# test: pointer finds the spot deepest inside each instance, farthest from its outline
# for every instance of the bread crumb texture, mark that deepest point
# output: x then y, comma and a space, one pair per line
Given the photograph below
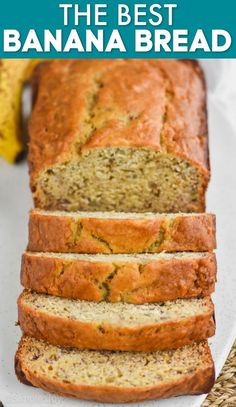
116, 314
121, 368
118, 326
115, 376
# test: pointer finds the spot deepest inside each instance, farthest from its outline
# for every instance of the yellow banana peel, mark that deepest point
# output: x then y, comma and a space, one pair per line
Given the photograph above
13, 74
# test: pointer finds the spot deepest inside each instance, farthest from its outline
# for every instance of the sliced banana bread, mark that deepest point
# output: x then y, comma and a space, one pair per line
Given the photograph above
119, 134
114, 232
115, 377
90, 325
136, 279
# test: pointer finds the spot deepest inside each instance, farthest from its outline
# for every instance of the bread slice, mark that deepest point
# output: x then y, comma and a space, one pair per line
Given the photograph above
119, 134
90, 325
136, 279
115, 232
115, 377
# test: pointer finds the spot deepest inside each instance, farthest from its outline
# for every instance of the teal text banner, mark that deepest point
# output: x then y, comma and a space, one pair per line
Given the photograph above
117, 29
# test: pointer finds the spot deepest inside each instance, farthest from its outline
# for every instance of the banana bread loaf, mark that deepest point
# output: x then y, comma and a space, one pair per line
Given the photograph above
125, 135
114, 232
136, 279
115, 377
91, 325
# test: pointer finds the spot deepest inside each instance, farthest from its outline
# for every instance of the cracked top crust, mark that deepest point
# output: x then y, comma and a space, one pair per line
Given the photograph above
84, 104
101, 232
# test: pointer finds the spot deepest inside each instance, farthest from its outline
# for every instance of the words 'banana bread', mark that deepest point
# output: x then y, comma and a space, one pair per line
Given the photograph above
119, 134
91, 325
115, 377
136, 279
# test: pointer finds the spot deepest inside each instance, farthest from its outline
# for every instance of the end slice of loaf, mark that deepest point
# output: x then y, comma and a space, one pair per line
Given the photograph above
136, 279
90, 325
114, 232
115, 377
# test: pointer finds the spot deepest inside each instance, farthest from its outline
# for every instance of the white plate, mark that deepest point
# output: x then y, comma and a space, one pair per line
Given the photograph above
15, 201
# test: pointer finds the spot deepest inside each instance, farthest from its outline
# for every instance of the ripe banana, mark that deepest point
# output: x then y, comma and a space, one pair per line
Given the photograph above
13, 74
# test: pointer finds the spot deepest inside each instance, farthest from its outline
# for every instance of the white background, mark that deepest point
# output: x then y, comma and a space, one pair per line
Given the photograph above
15, 201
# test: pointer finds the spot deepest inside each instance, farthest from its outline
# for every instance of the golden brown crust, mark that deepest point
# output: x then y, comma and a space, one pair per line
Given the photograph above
133, 282
18, 366
48, 233
184, 106
200, 381
61, 331
35, 79
156, 104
